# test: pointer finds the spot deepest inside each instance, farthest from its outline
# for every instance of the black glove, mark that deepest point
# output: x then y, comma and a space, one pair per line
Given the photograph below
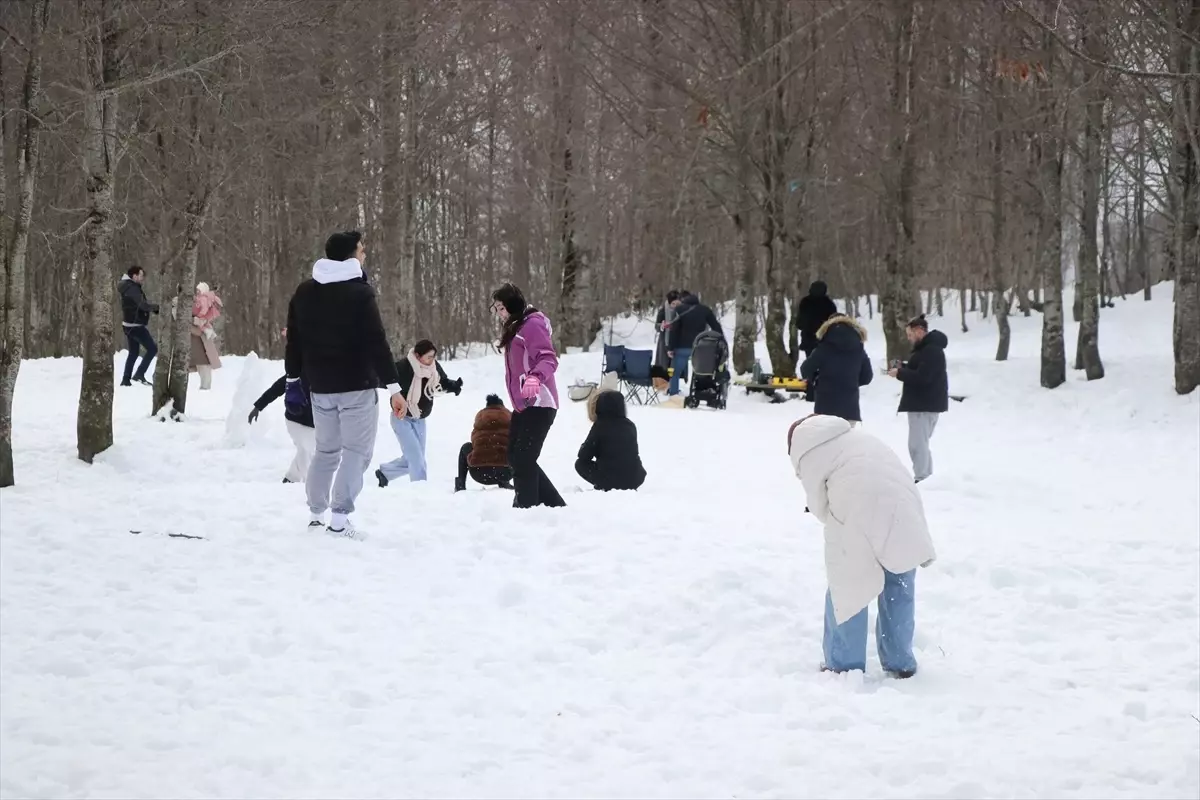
154, 308
458, 387
253, 416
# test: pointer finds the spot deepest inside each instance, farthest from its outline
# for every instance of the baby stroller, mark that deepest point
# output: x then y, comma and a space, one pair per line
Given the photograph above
710, 371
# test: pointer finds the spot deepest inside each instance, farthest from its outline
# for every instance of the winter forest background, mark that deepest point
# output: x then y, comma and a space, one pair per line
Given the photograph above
596, 153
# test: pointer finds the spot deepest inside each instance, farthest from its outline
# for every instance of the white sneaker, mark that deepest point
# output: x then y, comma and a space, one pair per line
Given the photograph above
347, 532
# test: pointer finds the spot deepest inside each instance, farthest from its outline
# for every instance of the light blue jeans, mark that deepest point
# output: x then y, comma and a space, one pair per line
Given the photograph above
679, 365
410, 433
846, 644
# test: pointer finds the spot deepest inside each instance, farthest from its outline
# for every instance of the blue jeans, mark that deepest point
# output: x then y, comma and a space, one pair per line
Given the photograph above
410, 433
135, 336
846, 644
679, 363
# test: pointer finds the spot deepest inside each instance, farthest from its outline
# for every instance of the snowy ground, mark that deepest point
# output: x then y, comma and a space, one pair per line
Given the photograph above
659, 644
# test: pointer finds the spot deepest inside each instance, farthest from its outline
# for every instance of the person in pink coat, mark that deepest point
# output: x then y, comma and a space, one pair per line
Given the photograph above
204, 357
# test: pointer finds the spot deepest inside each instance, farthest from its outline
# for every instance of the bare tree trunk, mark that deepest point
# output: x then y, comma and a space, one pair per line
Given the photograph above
1141, 253
16, 248
1185, 171
1048, 145
996, 173
180, 340
1090, 173
93, 426
897, 294
745, 329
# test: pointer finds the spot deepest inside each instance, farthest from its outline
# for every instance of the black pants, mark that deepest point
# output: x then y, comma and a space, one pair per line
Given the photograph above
135, 337
485, 476
590, 472
526, 435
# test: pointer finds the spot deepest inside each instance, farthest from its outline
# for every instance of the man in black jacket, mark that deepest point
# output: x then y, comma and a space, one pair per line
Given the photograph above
839, 365
336, 341
692, 318
926, 392
811, 313
135, 316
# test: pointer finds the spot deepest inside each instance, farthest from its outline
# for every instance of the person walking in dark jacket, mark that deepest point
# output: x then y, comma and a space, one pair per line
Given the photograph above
337, 342
662, 326
135, 316
692, 318
811, 313
839, 365
421, 379
485, 457
609, 458
926, 392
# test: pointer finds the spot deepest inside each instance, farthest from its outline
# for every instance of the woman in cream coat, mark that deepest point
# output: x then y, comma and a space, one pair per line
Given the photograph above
875, 538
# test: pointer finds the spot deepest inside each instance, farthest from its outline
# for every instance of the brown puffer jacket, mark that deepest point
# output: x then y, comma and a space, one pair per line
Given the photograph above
489, 438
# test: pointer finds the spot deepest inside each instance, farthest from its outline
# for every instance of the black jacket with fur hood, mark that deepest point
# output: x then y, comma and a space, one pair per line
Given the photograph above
838, 367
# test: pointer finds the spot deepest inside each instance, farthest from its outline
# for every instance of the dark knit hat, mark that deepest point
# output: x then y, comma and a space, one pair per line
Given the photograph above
494, 400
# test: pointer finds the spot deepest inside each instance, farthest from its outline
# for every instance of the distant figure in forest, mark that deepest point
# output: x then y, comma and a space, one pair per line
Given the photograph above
926, 392
692, 318
662, 323
203, 357
135, 316
811, 313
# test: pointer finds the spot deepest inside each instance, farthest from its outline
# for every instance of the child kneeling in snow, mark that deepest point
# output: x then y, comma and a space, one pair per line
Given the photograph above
875, 538
608, 458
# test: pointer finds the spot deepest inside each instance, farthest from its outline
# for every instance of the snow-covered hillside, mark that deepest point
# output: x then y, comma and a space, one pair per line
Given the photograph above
658, 644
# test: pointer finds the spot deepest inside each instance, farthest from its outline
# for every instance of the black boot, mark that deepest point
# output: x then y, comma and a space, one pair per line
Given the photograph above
126, 382
383, 481
460, 485
506, 485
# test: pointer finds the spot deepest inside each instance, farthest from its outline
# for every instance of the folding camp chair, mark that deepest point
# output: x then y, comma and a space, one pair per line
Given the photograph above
639, 385
614, 360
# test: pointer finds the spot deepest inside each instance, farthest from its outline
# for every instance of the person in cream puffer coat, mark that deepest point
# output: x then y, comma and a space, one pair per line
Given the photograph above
875, 538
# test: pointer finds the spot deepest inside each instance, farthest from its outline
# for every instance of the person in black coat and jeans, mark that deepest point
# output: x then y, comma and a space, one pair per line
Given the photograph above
608, 458
692, 318
135, 316
839, 365
926, 392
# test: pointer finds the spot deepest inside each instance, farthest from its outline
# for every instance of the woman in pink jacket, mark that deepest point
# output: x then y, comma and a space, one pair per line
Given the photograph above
529, 367
204, 358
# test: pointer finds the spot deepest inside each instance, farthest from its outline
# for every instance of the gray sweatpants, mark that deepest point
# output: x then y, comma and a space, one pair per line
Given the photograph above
345, 425
920, 431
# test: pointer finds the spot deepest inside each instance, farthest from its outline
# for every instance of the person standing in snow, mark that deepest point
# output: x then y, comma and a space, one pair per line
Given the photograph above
838, 366
135, 316
662, 321
609, 458
926, 392
692, 318
421, 379
530, 364
204, 358
297, 413
485, 457
336, 341
876, 536
811, 313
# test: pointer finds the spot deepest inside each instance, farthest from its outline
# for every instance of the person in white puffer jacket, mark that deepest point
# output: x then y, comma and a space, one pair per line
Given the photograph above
875, 538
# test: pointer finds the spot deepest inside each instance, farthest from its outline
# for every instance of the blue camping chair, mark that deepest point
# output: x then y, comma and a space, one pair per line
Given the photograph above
639, 383
614, 360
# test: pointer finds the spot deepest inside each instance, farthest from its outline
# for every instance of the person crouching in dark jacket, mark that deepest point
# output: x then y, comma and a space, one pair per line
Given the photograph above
297, 411
608, 458
485, 457
839, 365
